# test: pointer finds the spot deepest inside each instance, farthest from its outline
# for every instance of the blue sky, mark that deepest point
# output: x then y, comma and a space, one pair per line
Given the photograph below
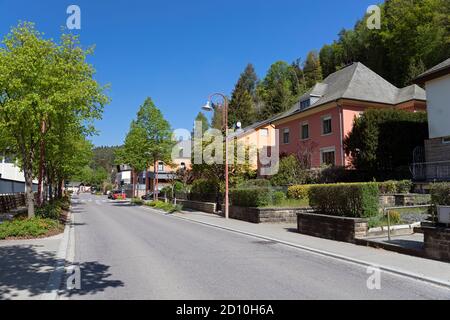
178, 52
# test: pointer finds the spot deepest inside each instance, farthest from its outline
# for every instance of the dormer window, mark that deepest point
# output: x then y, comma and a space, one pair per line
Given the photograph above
305, 104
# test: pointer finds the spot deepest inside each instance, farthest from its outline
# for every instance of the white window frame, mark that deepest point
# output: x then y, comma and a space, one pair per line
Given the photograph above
160, 165
324, 118
264, 132
325, 150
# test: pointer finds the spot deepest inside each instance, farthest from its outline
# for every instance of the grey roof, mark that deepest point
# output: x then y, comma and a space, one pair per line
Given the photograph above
357, 82
441, 66
411, 92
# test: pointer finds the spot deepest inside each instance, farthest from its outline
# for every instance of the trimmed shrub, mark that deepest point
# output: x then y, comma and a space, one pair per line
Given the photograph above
137, 201
278, 197
404, 186
345, 199
387, 187
255, 183
203, 190
49, 211
440, 194
251, 197
298, 192
392, 186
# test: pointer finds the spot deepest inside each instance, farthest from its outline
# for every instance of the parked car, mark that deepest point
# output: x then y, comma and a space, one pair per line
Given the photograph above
117, 194
149, 196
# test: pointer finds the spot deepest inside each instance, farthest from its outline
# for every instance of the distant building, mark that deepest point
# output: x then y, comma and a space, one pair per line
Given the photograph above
437, 148
12, 179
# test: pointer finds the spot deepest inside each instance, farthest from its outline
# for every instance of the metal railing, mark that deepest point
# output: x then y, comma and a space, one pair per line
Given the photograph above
387, 210
431, 171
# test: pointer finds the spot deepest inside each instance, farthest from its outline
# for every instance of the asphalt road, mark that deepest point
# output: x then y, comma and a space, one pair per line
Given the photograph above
129, 252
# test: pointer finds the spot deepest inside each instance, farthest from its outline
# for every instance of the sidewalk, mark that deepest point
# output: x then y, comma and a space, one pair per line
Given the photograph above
26, 266
416, 267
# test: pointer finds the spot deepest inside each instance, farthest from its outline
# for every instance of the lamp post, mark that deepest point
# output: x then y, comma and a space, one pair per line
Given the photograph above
210, 107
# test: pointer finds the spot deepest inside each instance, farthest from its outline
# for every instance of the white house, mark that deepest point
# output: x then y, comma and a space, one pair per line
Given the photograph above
437, 147
12, 179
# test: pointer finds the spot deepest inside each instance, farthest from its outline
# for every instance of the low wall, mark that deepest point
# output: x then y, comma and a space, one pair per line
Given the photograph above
437, 242
208, 207
266, 215
411, 199
331, 227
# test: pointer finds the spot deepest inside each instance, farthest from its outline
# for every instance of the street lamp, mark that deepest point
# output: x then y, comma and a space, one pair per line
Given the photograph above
210, 107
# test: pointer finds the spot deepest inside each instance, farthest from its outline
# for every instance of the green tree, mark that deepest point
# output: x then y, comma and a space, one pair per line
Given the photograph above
384, 140
312, 69
41, 83
279, 90
242, 103
158, 135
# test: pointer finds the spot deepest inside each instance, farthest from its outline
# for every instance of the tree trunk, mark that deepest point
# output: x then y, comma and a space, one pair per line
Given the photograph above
155, 183
132, 182
29, 191
147, 181
41, 166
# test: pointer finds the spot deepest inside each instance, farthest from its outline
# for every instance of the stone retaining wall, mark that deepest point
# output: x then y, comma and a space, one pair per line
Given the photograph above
437, 242
266, 215
411, 199
207, 207
331, 227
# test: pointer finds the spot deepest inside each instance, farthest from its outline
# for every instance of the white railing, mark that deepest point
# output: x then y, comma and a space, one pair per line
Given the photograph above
431, 171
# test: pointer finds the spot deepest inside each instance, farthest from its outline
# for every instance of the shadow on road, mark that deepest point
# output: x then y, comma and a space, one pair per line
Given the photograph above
25, 268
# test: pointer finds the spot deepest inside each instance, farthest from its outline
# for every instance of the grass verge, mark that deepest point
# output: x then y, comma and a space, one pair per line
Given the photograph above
30, 228
168, 207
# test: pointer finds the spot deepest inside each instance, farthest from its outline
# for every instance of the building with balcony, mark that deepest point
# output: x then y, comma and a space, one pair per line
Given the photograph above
436, 164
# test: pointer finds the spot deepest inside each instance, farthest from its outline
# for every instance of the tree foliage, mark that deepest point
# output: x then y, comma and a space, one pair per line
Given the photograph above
384, 139
48, 100
414, 36
242, 103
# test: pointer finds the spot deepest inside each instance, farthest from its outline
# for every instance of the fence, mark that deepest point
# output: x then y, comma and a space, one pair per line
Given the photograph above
11, 201
431, 171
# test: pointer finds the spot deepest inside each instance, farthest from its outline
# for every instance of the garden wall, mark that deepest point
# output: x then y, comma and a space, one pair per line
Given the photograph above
332, 227
437, 242
411, 199
208, 207
266, 215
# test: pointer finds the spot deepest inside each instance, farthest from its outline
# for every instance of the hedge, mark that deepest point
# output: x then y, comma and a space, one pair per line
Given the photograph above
440, 194
392, 186
251, 197
203, 190
359, 200
298, 192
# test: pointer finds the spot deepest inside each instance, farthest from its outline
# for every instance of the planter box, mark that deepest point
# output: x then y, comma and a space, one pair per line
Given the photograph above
331, 227
443, 214
437, 242
207, 207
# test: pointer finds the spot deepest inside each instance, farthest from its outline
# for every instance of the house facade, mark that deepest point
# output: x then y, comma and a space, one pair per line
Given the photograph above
315, 128
256, 138
437, 148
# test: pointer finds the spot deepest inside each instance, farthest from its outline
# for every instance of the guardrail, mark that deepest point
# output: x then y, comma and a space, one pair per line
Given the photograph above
387, 210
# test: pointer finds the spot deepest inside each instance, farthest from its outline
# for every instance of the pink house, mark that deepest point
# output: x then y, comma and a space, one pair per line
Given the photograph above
316, 126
